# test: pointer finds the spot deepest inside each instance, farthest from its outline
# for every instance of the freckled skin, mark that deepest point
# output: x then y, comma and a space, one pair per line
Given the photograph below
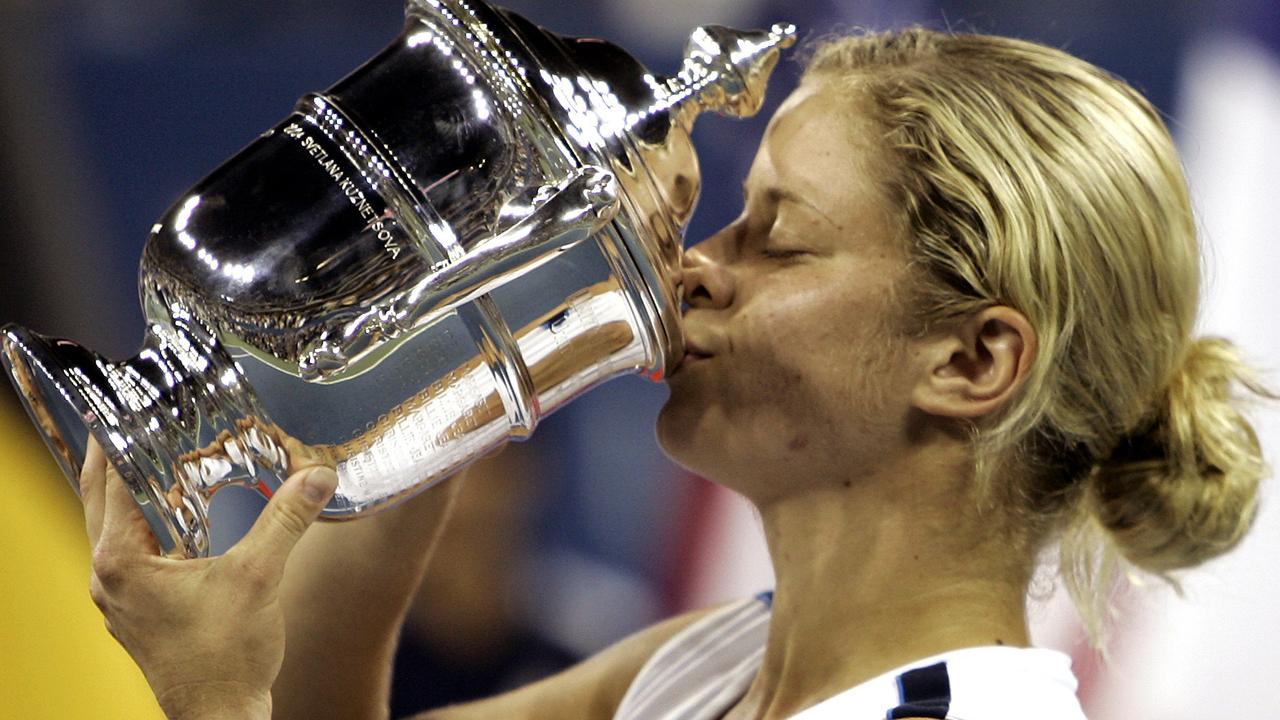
803, 357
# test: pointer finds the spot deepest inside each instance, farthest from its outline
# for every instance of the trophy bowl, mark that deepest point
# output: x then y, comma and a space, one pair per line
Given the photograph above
476, 226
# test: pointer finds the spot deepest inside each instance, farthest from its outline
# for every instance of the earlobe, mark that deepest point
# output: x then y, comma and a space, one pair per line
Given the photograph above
977, 366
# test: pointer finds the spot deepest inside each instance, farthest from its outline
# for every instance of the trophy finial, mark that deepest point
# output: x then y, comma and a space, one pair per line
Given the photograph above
726, 70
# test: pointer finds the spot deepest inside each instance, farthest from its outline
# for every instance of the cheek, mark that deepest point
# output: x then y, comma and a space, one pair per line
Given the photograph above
812, 368
806, 334
741, 402
776, 344
811, 357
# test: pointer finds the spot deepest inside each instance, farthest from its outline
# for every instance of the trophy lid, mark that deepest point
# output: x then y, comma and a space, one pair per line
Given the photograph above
726, 70
602, 97
614, 112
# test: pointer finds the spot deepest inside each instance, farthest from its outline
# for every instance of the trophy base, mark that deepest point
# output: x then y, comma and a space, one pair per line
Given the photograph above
131, 409
61, 416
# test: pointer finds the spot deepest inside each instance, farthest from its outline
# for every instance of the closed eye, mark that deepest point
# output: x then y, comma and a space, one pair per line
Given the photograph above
783, 253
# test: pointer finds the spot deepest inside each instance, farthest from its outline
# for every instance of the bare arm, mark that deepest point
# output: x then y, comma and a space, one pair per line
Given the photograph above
344, 598
345, 592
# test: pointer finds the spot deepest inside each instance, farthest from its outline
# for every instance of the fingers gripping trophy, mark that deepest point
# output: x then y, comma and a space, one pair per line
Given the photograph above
473, 228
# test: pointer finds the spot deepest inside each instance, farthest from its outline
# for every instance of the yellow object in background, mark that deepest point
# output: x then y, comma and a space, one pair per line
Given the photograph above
56, 658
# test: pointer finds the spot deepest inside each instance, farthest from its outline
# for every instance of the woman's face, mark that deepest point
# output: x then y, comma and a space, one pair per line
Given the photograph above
796, 365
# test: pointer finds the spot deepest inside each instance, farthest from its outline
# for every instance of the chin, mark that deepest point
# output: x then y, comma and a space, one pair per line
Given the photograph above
680, 434
692, 436
672, 434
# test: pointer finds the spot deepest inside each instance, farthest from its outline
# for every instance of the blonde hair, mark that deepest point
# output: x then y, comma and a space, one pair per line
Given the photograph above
1032, 179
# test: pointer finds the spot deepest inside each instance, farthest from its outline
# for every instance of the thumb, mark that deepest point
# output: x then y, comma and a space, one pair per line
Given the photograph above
292, 510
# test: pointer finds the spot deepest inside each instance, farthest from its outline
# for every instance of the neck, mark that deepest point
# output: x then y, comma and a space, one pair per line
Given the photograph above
866, 583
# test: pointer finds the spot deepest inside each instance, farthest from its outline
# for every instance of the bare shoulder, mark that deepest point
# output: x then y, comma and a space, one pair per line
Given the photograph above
590, 690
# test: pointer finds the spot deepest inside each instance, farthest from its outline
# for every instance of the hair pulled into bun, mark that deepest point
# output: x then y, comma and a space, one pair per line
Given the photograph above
1183, 488
1030, 179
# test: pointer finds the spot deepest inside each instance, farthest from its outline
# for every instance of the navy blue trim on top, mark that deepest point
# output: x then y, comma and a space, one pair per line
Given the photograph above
924, 693
766, 598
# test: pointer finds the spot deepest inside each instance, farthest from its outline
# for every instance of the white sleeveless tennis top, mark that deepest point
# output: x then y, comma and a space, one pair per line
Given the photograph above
701, 672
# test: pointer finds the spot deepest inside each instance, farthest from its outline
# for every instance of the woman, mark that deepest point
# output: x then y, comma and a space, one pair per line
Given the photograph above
951, 326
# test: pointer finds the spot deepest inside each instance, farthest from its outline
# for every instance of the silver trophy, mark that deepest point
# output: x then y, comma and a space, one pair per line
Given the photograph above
476, 226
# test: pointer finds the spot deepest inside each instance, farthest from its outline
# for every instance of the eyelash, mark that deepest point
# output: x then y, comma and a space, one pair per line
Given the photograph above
782, 254
777, 255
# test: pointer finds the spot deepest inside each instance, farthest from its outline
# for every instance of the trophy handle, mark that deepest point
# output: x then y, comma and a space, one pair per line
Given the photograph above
563, 215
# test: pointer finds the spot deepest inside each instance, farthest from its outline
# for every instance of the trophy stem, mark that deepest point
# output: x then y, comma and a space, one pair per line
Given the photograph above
177, 421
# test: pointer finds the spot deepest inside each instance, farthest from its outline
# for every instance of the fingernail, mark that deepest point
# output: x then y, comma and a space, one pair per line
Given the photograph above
319, 483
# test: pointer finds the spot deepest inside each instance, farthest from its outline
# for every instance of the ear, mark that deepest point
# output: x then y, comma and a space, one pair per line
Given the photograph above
976, 366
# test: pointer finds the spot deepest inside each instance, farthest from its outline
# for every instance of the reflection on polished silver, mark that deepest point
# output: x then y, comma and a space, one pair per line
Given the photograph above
566, 217
476, 226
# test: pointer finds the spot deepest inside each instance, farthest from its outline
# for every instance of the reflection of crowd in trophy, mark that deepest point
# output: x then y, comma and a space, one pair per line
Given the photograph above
462, 414
462, 411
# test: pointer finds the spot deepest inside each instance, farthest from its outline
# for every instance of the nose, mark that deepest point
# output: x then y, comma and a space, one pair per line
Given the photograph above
707, 282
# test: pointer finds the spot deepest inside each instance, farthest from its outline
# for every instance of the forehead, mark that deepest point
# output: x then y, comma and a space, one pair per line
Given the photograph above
821, 146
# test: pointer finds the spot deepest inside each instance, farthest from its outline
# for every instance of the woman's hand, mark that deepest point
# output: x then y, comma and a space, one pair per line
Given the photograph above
207, 633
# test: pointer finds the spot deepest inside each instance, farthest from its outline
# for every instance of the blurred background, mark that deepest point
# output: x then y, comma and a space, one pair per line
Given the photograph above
109, 110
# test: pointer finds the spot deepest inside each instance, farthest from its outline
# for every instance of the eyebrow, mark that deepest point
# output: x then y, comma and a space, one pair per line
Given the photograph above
777, 194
